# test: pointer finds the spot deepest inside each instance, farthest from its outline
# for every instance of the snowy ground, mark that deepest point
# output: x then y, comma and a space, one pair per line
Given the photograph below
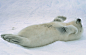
17, 14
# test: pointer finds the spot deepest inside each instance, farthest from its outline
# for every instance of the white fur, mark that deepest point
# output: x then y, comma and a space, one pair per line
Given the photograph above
43, 34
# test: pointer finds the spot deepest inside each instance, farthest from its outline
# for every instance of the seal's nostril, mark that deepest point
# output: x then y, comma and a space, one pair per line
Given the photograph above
79, 20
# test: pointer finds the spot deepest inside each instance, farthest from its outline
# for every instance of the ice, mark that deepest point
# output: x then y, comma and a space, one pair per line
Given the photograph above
17, 14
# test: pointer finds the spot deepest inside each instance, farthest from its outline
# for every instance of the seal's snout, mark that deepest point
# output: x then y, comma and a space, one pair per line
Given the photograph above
78, 20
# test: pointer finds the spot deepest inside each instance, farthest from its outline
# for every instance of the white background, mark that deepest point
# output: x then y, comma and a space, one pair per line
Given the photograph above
17, 14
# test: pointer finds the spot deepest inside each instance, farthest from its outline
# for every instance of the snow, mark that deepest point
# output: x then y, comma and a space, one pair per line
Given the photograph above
17, 14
